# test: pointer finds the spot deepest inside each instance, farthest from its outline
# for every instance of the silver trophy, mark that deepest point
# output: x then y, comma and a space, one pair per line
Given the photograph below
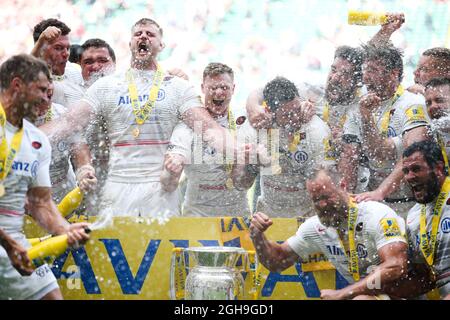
208, 273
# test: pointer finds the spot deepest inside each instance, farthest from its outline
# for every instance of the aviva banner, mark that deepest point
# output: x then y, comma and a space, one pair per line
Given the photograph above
131, 259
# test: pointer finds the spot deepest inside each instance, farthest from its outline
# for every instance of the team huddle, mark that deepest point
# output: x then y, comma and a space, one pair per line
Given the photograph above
362, 159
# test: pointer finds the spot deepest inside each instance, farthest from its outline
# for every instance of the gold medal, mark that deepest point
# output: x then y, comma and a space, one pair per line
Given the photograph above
229, 183
2, 190
135, 132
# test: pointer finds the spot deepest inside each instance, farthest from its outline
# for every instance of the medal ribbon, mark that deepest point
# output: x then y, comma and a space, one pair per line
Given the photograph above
387, 114
142, 113
7, 155
428, 248
443, 150
353, 264
229, 166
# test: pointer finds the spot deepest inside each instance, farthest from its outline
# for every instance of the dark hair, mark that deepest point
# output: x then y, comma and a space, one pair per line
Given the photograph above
144, 21
44, 24
98, 43
438, 52
390, 56
436, 82
353, 56
430, 150
216, 68
23, 66
279, 91
75, 53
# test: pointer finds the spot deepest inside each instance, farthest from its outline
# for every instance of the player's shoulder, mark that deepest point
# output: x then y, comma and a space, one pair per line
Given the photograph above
409, 99
38, 138
374, 210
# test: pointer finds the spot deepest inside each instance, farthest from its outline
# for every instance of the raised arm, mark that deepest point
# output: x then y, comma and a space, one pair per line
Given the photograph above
393, 23
275, 257
72, 122
258, 116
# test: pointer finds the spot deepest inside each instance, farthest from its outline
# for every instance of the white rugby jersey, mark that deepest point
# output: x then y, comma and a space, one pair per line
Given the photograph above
30, 169
139, 159
61, 171
408, 112
206, 193
285, 195
376, 226
67, 91
442, 253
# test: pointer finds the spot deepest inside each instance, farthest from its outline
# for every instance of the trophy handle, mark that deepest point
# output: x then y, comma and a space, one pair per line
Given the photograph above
254, 269
177, 274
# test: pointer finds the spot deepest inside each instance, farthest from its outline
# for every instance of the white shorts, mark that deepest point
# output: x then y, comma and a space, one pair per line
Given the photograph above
14, 286
146, 200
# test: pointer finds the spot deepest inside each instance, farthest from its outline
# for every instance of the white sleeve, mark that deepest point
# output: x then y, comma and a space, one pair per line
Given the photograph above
181, 140
42, 169
415, 116
95, 95
386, 227
301, 244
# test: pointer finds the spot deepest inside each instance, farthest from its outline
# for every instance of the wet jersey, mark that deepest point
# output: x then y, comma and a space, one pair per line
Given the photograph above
30, 169
61, 171
284, 194
207, 193
407, 112
376, 226
441, 263
67, 91
139, 158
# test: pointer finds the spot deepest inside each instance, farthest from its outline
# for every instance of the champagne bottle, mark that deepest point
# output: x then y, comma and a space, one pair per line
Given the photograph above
35, 241
366, 18
44, 251
71, 201
49, 249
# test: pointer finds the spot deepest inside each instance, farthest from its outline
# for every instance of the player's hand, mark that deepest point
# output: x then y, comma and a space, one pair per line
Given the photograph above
86, 178
368, 103
375, 195
19, 257
174, 163
259, 224
307, 111
328, 294
77, 234
259, 118
393, 23
178, 73
416, 89
50, 34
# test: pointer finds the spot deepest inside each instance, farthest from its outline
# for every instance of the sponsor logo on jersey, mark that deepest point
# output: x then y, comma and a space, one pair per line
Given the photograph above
61, 146
34, 168
142, 98
445, 225
240, 120
391, 132
301, 156
415, 113
390, 228
362, 251
36, 144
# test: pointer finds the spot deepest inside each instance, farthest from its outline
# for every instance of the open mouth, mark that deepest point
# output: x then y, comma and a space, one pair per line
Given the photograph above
143, 48
218, 102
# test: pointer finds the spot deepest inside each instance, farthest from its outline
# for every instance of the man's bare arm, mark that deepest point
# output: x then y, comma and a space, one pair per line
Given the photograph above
394, 265
45, 212
275, 257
